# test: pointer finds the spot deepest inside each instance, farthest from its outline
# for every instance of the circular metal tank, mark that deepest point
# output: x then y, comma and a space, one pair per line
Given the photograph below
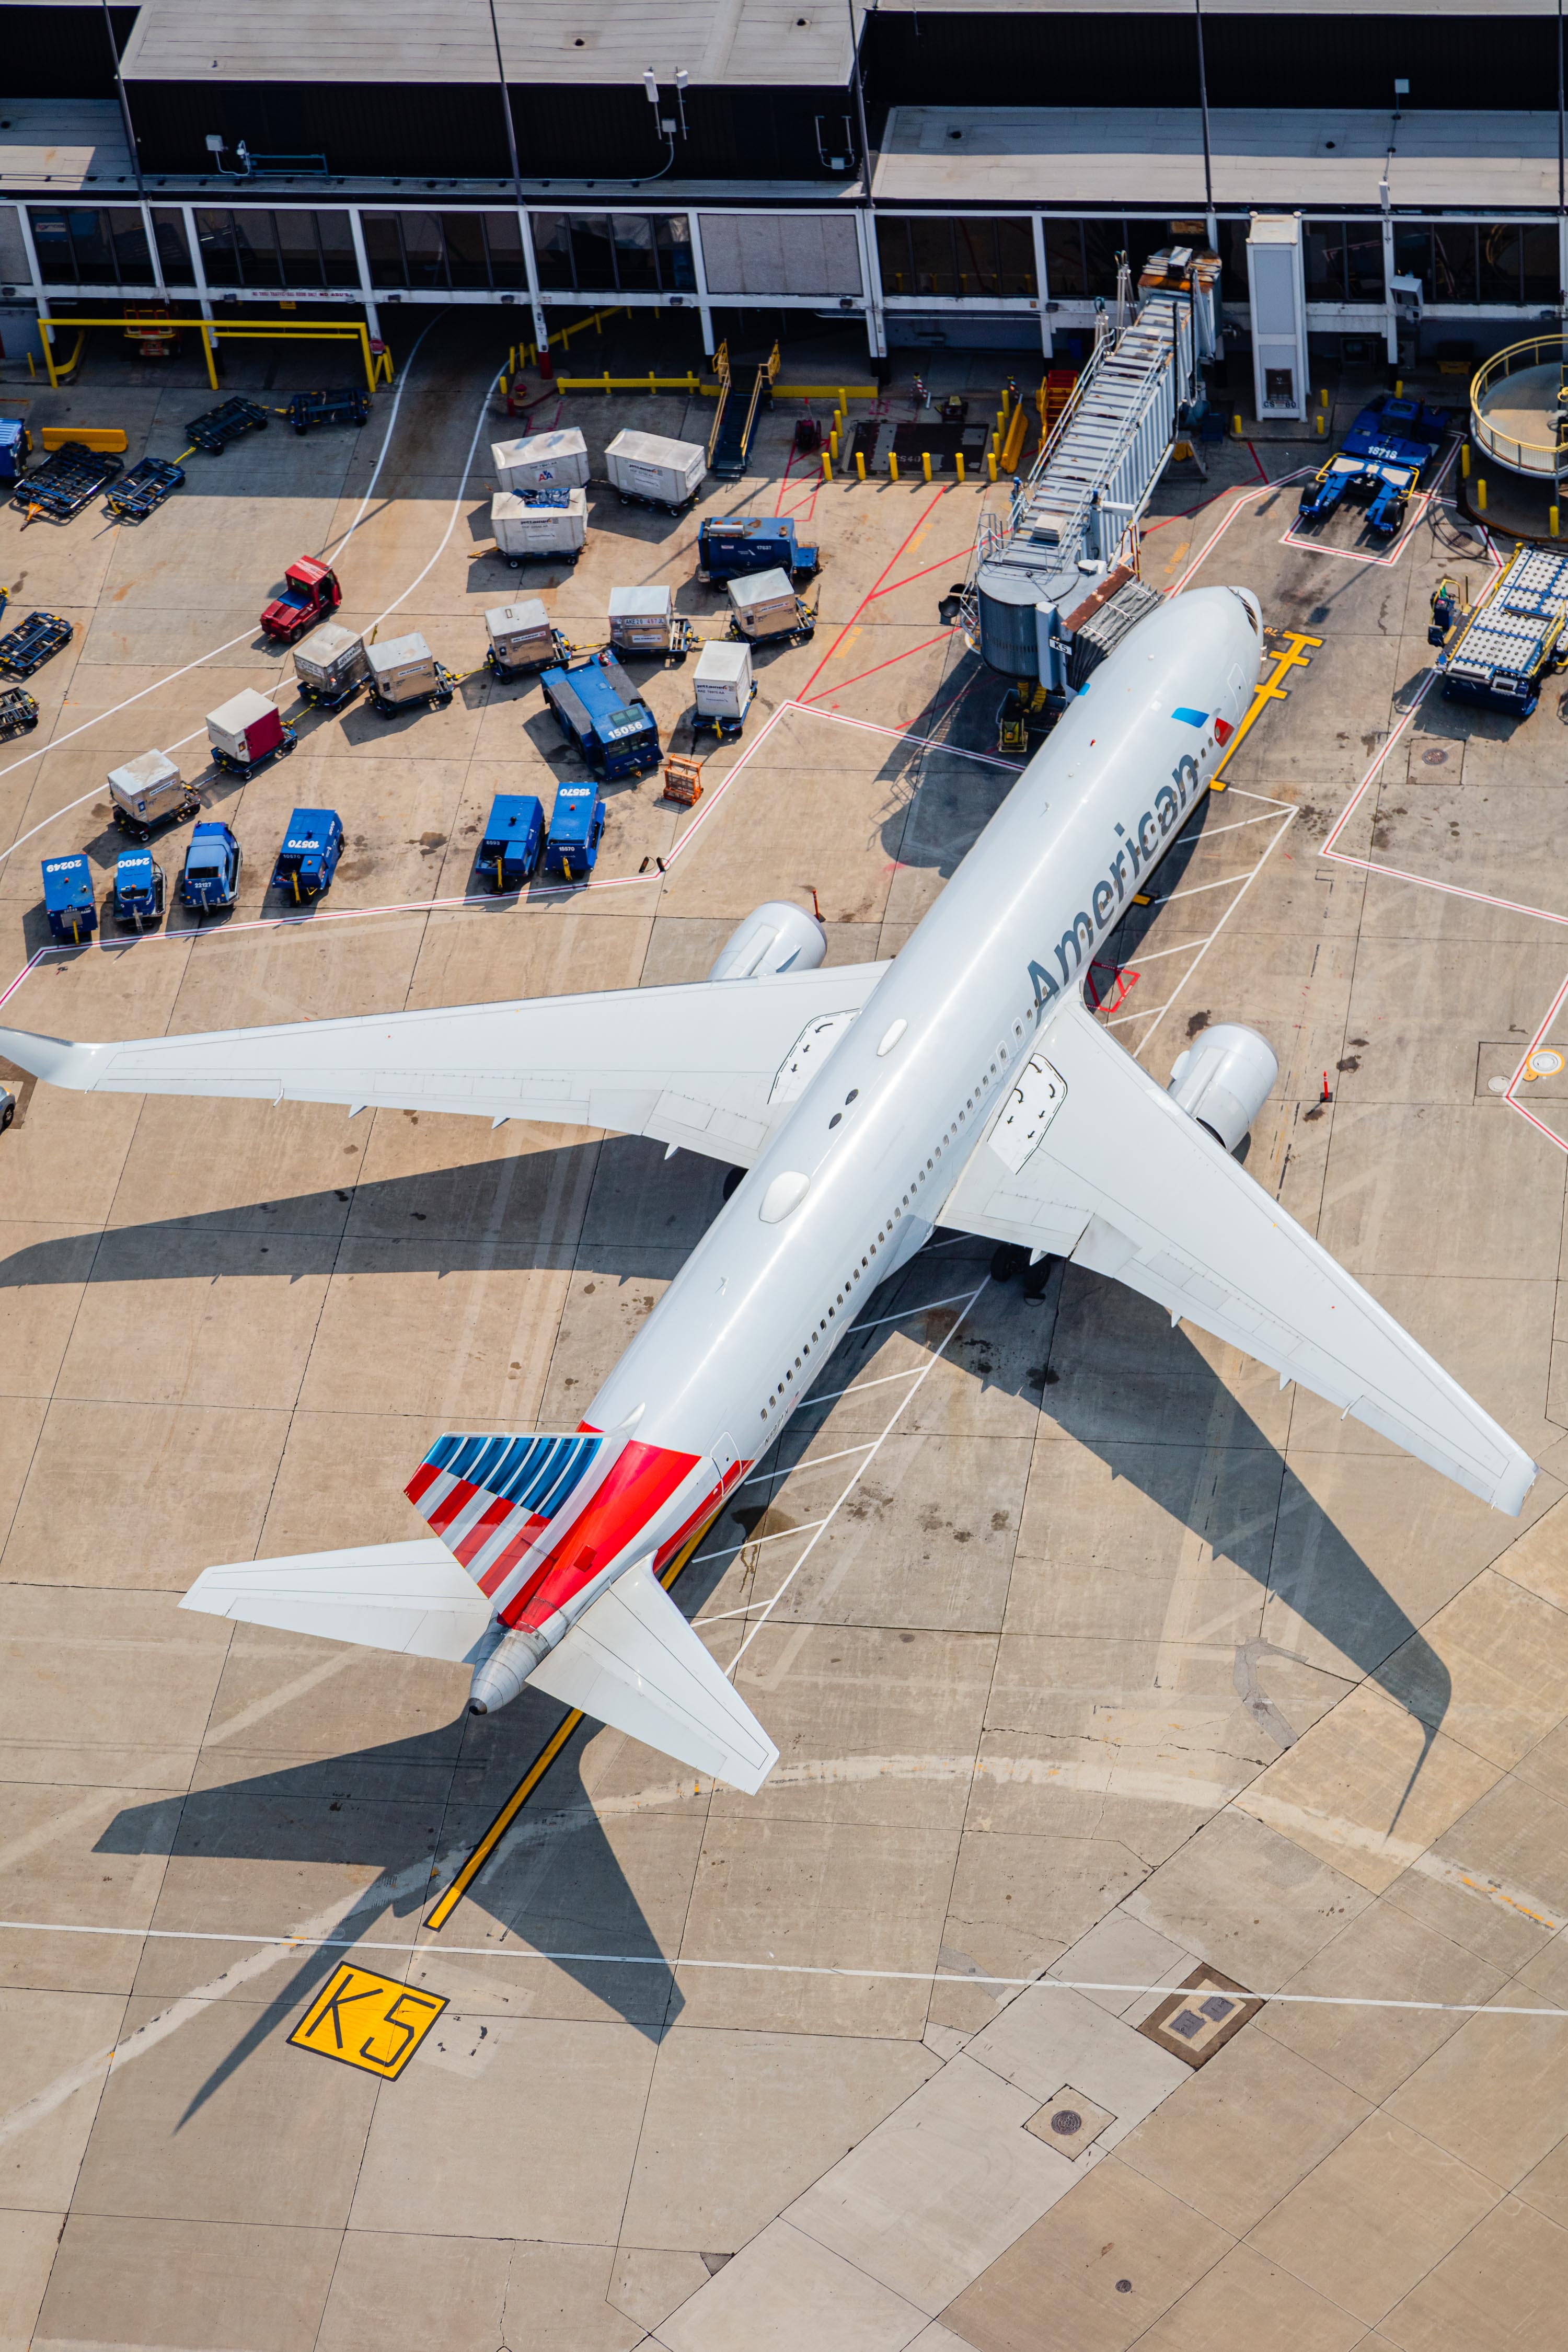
1005, 599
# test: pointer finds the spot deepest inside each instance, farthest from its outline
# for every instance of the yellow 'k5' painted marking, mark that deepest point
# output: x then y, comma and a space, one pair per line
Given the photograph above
370, 2021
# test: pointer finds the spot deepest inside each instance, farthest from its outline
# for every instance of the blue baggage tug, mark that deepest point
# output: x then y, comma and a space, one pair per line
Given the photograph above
572, 846
309, 857
1379, 464
138, 890
513, 835
731, 546
210, 882
601, 715
69, 900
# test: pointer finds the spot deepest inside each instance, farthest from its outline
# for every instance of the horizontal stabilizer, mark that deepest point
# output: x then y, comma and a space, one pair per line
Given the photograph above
633, 1661
408, 1597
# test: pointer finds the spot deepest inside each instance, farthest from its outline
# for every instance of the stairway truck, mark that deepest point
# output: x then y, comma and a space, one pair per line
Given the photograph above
309, 857
730, 546
150, 792
246, 731
69, 901
577, 822
764, 605
722, 686
541, 526
543, 461
647, 470
642, 620
514, 835
330, 665
601, 715
403, 672
521, 638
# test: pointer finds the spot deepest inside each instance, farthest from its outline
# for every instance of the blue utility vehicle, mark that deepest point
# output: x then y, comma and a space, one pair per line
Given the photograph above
729, 546
513, 835
138, 890
1379, 464
572, 846
309, 857
69, 900
601, 715
210, 882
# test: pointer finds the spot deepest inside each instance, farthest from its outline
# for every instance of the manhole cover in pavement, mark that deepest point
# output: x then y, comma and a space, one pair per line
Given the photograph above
1066, 2122
1435, 758
1544, 1064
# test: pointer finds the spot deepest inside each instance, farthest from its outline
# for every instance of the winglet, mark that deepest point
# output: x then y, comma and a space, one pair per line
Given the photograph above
55, 1058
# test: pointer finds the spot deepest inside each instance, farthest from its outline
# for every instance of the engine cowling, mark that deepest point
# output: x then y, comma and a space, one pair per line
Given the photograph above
775, 937
1224, 1079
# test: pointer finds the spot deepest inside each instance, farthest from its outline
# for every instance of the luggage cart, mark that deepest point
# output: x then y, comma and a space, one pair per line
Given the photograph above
18, 712
144, 488
216, 427
69, 478
28, 648
307, 408
1513, 643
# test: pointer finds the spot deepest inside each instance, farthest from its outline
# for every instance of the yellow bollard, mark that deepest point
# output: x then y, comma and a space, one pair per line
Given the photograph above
833, 445
925, 463
1001, 421
1006, 403
892, 468
1551, 519
1321, 422
1398, 387
1236, 427
957, 461
1464, 460
827, 467
861, 465
991, 462
1481, 492
1323, 397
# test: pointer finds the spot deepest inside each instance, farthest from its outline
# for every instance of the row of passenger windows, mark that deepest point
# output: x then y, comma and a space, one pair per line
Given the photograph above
784, 1393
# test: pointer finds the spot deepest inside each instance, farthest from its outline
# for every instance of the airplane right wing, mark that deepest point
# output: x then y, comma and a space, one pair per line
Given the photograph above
1087, 1158
707, 1065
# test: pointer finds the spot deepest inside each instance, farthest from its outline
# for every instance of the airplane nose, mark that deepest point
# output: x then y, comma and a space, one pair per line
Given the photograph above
1254, 610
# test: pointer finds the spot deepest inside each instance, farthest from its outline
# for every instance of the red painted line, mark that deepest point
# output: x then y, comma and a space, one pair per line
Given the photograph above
902, 735
789, 461
1259, 463
839, 685
942, 565
870, 592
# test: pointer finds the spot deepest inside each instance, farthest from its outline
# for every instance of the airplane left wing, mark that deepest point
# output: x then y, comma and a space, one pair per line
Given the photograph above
707, 1066
1090, 1158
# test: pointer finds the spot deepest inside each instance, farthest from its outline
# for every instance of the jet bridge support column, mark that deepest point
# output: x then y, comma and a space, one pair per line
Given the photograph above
1275, 285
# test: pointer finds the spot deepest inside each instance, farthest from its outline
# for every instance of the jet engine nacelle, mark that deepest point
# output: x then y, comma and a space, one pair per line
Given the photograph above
1224, 1079
776, 937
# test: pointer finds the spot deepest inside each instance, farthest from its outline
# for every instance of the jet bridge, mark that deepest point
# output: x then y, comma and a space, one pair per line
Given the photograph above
1072, 523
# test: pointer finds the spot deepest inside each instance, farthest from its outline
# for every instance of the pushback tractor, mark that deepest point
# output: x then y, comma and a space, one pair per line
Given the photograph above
309, 857
139, 889
1379, 464
69, 901
210, 882
577, 822
601, 715
514, 833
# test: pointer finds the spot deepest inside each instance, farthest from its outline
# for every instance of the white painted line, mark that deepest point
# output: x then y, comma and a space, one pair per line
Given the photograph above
766, 1477
926, 1371
285, 1944
1157, 1015
926, 1307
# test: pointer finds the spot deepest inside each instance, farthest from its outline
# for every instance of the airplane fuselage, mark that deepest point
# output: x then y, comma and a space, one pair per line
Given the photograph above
853, 1179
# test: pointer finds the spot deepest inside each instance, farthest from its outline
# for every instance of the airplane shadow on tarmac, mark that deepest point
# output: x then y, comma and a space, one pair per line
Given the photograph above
1103, 1364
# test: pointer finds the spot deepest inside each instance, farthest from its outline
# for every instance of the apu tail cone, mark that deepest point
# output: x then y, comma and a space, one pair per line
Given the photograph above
502, 1675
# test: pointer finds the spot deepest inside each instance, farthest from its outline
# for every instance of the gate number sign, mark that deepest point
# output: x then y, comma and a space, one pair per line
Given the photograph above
365, 2021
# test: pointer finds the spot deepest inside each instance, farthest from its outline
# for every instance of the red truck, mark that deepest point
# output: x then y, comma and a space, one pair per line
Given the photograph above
310, 593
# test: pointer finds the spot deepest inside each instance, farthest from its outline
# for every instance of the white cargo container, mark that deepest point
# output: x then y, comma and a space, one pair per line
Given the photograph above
330, 661
520, 635
661, 473
722, 680
544, 461
549, 523
765, 605
403, 669
642, 620
146, 791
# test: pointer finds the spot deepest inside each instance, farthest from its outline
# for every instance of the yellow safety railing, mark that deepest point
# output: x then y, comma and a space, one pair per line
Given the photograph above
692, 384
1547, 455
377, 364
722, 375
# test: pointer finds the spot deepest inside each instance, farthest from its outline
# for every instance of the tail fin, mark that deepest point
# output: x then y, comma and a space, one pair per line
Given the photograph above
632, 1661
489, 1499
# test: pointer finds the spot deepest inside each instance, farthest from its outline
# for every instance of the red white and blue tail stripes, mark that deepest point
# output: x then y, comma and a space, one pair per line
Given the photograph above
489, 1499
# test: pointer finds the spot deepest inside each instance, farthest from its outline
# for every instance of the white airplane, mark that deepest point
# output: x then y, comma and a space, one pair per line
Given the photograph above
964, 1083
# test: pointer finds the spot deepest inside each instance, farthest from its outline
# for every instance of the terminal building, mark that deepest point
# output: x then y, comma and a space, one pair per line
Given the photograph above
775, 156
